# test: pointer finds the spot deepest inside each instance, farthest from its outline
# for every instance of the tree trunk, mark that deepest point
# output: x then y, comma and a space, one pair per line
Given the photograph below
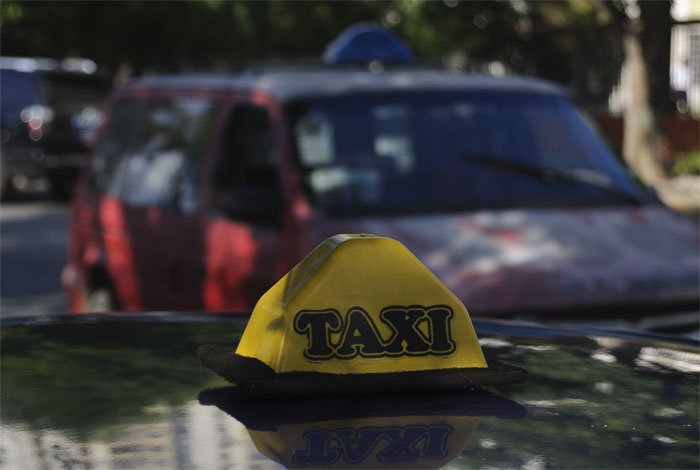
647, 45
641, 132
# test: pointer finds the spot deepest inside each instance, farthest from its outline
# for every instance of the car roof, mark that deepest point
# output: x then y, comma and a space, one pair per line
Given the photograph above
119, 384
291, 84
39, 64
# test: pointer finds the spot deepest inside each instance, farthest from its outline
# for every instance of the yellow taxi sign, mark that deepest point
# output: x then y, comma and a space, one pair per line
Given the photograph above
355, 309
360, 303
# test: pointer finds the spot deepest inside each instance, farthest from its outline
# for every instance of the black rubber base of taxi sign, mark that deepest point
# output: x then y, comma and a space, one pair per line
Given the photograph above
254, 376
266, 412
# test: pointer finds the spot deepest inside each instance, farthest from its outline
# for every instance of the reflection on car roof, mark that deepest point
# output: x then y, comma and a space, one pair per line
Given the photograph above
299, 83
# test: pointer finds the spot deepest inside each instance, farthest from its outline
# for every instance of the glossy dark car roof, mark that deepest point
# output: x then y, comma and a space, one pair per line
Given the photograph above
491, 326
129, 389
299, 83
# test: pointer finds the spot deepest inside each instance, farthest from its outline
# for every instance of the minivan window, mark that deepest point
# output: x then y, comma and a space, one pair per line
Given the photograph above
164, 166
444, 151
111, 155
245, 179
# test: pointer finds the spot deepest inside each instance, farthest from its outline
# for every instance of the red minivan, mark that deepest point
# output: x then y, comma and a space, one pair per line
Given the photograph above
204, 190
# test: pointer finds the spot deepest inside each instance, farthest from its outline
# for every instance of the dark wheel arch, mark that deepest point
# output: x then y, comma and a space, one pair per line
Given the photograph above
100, 291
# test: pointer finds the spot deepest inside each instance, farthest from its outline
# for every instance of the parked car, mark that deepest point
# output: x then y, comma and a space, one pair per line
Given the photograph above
126, 391
49, 112
204, 190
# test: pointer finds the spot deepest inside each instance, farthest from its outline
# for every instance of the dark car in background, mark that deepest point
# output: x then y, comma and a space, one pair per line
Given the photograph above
49, 111
126, 391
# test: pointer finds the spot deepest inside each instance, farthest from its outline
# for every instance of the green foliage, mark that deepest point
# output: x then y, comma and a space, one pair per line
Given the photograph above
687, 164
171, 36
574, 43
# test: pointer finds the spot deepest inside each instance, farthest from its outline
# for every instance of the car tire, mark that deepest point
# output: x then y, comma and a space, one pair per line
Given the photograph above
61, 189
7, 188
100, 300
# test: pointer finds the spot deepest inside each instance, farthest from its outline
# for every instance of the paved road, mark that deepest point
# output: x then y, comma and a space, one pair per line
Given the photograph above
33, 241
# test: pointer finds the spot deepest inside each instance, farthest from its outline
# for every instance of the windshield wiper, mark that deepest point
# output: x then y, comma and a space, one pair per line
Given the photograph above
548, 174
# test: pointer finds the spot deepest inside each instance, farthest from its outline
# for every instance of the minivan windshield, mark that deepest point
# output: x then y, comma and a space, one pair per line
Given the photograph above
448, 151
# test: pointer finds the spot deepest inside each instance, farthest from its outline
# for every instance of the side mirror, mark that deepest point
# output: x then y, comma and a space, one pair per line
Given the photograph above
254, 204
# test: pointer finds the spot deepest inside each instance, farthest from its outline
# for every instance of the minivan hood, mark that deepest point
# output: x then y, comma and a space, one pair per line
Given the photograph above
522, 260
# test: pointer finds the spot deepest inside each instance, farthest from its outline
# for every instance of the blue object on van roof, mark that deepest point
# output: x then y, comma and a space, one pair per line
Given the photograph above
363, 43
